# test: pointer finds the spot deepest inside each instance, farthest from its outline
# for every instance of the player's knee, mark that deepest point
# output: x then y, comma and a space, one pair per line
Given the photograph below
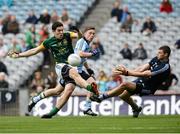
124, 85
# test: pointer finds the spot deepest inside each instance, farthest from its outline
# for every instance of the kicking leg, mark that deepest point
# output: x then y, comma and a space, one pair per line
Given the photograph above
81, 82
114, 92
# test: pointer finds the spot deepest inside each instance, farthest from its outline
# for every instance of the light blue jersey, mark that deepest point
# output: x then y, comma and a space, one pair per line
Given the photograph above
82, 45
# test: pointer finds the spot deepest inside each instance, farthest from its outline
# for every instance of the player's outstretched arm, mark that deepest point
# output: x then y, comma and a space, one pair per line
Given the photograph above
142, 68
122, 70
149, 73
28, 53
146, 73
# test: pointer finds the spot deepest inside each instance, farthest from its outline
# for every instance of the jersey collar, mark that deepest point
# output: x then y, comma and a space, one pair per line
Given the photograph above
164, 61
86, 40
58, 39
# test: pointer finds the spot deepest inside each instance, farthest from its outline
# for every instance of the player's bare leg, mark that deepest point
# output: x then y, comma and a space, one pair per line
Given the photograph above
69, 88
126, 96
54, 91
65, 96
50, 92
81, 82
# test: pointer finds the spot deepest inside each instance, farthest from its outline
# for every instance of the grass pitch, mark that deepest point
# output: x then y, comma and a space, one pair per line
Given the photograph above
86, 124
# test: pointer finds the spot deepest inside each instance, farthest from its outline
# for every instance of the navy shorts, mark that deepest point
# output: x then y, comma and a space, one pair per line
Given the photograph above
141, 88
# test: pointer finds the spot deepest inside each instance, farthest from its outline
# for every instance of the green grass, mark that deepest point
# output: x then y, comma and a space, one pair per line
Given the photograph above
101, 124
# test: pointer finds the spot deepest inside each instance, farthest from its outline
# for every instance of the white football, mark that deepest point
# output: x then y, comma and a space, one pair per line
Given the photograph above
74, 60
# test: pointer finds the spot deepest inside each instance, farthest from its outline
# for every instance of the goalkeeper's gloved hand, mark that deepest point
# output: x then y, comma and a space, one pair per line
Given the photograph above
90, 71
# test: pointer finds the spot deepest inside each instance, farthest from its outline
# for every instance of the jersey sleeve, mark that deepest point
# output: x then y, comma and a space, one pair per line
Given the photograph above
73, 35
42, 46
160, 69
45, 44
80, 45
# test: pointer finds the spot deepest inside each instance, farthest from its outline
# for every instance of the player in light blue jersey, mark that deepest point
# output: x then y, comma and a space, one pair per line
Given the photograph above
83, 49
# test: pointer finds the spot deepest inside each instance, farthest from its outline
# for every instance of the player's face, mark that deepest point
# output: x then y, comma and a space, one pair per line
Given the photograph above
161, 55
58, 33
89, 35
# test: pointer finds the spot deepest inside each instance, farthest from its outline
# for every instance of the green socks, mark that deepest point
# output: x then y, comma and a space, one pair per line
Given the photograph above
53, 111
89, 88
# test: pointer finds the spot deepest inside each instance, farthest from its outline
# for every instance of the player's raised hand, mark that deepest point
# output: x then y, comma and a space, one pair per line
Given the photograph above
13, 54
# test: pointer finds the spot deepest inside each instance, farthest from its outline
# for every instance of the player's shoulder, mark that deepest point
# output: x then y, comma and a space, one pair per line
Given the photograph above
155, 59
50, 39
66, 34
81, 41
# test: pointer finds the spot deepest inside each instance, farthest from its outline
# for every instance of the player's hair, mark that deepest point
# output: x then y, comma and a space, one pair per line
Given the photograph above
166, 49
88, 28
56, 24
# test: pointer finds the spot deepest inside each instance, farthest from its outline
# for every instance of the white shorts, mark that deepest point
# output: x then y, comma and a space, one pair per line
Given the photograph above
58, 68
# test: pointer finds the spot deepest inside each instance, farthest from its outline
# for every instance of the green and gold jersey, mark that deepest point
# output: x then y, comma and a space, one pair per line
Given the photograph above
60, 48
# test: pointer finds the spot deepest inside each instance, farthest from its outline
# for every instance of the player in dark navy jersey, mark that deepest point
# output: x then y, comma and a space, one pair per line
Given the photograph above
150, 77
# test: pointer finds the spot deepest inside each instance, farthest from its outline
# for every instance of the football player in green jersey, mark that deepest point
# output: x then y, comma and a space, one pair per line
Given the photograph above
61, 47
